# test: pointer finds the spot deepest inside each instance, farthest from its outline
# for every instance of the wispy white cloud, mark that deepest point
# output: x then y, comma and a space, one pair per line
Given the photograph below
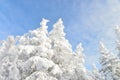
96, 21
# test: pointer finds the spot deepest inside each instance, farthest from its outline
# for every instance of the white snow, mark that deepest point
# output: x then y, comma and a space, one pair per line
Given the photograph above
43, 55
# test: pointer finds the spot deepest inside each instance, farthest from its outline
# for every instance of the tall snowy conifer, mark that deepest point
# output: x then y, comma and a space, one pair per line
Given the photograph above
80, 69
110, 64
117, 31
62, 48
96, 73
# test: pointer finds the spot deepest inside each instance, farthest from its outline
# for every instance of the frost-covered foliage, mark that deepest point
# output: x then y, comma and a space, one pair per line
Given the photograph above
117, 31
96, 74
110, 62
42, 55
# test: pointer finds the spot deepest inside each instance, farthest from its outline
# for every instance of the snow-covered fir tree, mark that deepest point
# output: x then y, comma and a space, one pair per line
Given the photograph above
96, 73
117, 32
110, 64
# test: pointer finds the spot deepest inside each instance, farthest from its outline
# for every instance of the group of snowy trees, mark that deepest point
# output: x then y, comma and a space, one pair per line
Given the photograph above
43, 55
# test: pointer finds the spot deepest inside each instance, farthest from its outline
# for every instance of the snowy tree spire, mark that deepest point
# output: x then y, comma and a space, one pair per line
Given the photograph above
57, 36
60, 21
79, 52
94, 67
96, 74
79, 48
95, 70
44, 22
58, 29
117, 32
102, 48
44, 26
117, 29
79, 64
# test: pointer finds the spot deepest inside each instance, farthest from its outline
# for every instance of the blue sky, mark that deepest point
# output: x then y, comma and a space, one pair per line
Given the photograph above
86, 21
